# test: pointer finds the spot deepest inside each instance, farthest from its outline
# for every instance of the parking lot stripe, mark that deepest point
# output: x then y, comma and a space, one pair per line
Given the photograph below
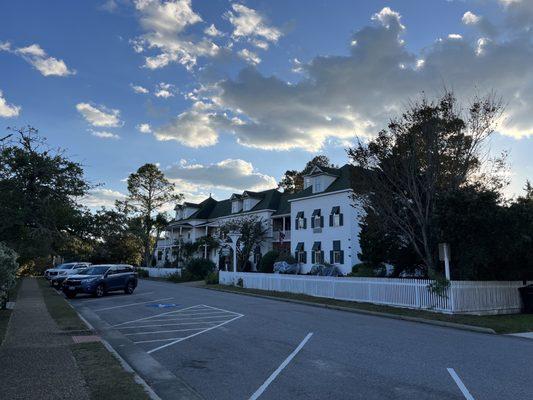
189, 318
460, 384
132, 304
179, 323
194, 334
153, 316
168, 331
271, 378
209, 312
220, 309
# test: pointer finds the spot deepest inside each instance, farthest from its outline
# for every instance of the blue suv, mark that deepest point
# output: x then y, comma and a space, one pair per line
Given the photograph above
100, 279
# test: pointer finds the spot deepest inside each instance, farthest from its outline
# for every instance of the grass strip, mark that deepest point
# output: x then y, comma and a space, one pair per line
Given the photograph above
105, 377
65, 316
510, 323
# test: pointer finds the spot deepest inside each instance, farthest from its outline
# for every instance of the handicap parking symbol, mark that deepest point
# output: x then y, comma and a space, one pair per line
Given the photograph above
163, 305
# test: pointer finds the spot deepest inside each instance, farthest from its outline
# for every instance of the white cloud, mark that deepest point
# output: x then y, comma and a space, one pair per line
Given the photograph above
247, 22
339, 96
144, 128
229, 174
139, 89
249, 56
102, 198
212, 31
454, 36
192, 128
104, 134
165, 90
261, 44
469, 18
99, 116
165, 24
8, 110
36, 56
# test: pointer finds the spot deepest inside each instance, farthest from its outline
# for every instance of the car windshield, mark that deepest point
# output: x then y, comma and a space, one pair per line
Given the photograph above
99, 270
66, 266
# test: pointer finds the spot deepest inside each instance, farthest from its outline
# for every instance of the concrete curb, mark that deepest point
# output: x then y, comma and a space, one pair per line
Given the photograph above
454, 325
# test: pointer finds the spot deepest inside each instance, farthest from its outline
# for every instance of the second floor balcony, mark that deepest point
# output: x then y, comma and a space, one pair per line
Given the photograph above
281, 236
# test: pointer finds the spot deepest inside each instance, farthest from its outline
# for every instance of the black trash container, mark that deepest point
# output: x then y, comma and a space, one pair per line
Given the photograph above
526, 293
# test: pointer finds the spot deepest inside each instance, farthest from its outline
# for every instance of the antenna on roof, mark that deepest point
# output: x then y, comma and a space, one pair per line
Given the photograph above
209, 194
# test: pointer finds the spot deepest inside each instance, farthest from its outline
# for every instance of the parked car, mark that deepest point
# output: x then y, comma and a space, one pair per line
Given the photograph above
65, 269
57, 281
101, 279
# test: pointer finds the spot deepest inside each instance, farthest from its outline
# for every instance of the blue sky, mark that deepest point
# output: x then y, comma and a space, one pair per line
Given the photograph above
227, 95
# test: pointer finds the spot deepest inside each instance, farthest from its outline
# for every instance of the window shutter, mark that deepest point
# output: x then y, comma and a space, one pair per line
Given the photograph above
322, 256
330, 219
331, 259
342, 256
312, 222
312, 257
321, 221
296, 255
305, 257
305, 223
340, 219
296, 224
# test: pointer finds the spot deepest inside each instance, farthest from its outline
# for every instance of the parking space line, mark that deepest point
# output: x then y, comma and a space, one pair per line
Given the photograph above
210, 312
153, 316
132, 304
179, 323
271, 378
167, 331
188, 319
195, 334
220, 309
460, 384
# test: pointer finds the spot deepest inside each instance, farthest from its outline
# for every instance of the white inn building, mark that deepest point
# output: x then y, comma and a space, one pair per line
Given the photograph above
316, 225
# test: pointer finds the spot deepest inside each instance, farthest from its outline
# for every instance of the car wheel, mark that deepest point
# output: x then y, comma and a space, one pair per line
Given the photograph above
99, 291
130, 287
70, 295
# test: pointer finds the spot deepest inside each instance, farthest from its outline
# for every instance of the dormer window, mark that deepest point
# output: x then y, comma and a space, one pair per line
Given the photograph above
317, 185
236, 206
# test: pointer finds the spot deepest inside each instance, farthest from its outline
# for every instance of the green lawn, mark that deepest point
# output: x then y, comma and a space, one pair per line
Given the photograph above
105, 377
500, 323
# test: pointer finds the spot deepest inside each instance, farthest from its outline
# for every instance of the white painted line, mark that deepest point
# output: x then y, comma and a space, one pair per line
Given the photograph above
153, 316
172, 330
182, 323
132, 304
195, 314
191, 318
460, 384
220, 309
271, 378
194, 334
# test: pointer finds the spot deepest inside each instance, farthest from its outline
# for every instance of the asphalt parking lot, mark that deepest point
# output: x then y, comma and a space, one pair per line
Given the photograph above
189, 342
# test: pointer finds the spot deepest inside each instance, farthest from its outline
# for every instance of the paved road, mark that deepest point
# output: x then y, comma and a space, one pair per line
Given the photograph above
229, 346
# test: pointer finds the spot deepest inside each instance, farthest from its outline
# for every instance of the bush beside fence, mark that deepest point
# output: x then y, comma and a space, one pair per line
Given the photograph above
161, 272
460, 297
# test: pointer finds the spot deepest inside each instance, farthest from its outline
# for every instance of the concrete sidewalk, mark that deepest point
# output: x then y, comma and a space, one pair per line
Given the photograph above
36, 360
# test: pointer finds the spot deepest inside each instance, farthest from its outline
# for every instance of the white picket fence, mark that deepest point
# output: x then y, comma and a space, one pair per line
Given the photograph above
461, 297
161, 272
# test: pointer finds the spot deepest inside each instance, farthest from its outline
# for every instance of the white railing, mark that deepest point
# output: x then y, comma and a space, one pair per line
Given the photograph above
460, 297
161, 272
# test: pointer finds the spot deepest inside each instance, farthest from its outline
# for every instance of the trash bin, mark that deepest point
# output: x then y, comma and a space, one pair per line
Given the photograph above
526, 293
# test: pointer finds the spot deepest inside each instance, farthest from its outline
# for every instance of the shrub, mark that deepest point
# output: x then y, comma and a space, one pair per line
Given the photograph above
199, 268
267, 262
8, 269
368, 270
212, 278
142, 273
288, 258
176, 277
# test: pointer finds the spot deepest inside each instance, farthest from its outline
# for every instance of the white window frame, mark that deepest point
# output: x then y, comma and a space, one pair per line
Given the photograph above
301, 223
301, 256
336, 257
318, 257
336, 220
317, 221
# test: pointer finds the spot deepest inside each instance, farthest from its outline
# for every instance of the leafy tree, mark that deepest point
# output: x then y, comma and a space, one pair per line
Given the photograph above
435, 147
293, 180
8, 269
148, 191
253, 231
39, 188
267, 261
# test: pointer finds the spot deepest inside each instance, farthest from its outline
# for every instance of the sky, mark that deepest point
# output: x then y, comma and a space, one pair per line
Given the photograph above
227, 95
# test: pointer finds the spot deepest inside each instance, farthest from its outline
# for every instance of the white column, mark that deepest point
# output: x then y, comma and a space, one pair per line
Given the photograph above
205, 245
